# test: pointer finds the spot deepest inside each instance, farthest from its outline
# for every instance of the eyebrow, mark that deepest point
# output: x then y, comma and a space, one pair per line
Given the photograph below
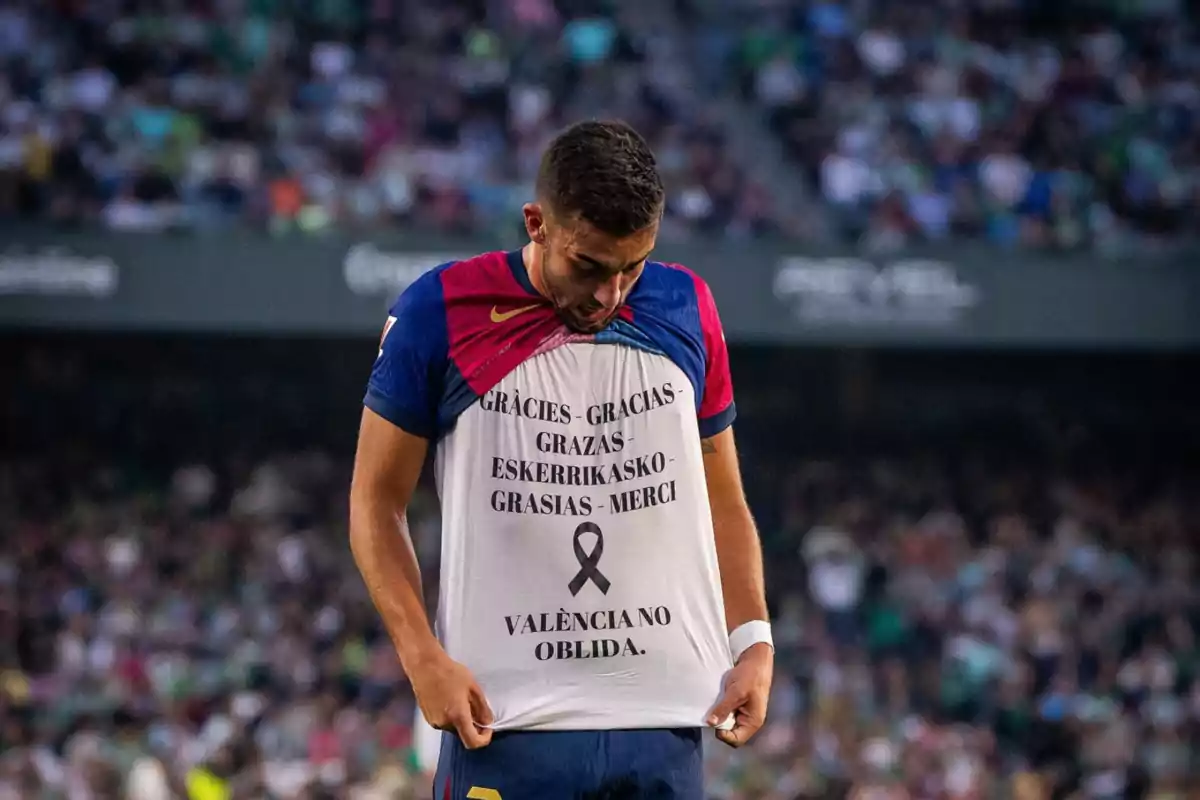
601, 265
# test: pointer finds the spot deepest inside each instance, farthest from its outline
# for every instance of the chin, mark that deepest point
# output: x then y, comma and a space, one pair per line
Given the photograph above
587, 325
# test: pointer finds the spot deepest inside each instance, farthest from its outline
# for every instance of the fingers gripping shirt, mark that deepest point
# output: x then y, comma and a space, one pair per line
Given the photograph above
579, 581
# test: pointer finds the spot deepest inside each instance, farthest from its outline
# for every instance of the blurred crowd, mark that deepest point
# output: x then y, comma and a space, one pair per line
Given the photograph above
974, 630
1056, 125
997, 634
304, 115
180, 616
1053, 125
159, 642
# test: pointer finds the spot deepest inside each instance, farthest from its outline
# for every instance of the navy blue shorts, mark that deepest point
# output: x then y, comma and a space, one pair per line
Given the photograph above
662, 764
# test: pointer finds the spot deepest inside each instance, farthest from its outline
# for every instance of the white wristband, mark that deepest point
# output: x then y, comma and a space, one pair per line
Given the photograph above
747, 635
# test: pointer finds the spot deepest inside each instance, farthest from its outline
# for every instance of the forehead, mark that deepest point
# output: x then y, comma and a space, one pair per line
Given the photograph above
581, 240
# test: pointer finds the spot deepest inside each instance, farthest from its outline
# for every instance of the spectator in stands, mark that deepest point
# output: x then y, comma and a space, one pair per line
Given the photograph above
1016, 124
946, 649
209, 117
1032, 126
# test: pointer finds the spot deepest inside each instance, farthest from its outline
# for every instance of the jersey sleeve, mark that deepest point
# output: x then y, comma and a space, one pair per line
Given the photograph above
717, 409
407, 382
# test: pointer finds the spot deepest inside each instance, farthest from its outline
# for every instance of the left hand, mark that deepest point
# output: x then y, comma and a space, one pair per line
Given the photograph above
747, 687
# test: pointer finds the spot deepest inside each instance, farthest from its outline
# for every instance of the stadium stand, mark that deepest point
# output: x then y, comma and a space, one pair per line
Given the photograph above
983, 579
148, 116
1063, 127
1004, 613
1055, 125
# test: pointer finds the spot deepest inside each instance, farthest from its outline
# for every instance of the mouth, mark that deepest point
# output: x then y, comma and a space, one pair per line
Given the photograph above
596, 315
588, 321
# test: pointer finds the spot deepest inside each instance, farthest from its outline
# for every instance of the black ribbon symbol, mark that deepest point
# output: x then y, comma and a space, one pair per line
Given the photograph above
588, 561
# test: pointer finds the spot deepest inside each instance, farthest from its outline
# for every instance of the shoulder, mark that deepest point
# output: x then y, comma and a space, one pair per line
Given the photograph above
676, 285
670, 274
448, 281
415, 383
674, 292
421, 297
419, 319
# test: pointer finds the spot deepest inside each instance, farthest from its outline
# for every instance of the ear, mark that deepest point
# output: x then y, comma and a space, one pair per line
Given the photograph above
535, 222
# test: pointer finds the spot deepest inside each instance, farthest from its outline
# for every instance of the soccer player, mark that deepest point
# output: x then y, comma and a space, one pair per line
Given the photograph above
601, 598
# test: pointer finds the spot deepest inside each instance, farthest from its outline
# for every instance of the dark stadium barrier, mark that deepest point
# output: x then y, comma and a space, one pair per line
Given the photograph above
767, 292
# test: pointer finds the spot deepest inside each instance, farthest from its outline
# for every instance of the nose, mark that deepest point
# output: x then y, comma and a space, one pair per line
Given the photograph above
608, 293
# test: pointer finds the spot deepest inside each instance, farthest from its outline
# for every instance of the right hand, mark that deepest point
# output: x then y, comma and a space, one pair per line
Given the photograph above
451, 700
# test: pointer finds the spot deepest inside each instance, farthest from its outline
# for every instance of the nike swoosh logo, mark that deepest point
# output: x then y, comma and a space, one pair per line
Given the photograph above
498, 316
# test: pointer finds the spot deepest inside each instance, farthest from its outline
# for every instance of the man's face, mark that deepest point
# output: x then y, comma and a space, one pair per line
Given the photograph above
588, 274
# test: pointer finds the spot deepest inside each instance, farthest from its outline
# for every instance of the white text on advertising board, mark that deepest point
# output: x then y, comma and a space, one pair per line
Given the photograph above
370, 271
857, 292
57, 272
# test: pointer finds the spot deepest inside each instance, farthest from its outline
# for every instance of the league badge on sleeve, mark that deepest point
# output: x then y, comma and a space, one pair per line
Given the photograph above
387, 326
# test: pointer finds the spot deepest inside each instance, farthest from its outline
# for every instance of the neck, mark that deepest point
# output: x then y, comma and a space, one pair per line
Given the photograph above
531, 257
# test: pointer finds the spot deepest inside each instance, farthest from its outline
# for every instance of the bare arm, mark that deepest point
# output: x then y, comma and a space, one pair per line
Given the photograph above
386, 469
739, 552
748, 684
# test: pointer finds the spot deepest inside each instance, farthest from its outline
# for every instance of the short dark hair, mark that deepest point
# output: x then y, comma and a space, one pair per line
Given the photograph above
605, 173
